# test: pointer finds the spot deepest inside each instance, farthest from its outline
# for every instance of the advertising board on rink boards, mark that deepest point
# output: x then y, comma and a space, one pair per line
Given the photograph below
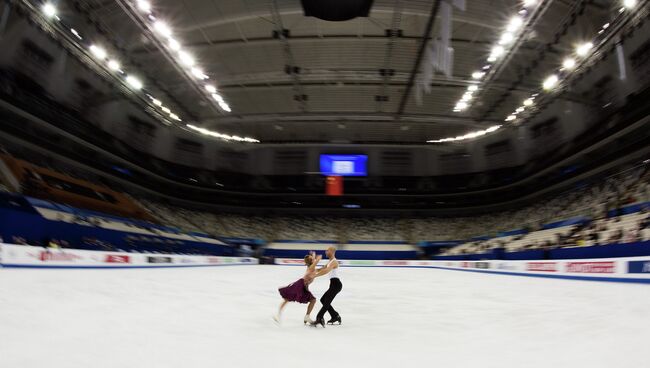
630, 267
27, 256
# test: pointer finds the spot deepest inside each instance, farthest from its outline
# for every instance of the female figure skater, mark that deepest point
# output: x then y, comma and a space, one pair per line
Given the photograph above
299, 290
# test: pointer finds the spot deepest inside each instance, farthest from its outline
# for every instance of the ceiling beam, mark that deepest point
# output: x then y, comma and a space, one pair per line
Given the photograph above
569, 21
289, 60
522, 37
348, 117
142, 23
276, 80
238, 42
418, 59
298, 11
388, 55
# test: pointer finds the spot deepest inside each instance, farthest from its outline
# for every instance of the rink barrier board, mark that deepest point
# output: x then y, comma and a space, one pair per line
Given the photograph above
9, 265
37, 257
628, 269
564, 277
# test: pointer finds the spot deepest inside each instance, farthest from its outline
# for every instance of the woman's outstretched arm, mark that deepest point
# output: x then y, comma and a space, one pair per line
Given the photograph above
325, 270
313, 265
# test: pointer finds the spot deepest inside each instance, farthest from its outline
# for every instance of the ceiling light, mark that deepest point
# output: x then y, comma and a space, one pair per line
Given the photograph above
199, 73
222, 136
511, 118
174, 45
145, 6
462, 105
519, 109
529, 3
506, 38
113, 65
175, 117
156, 102
550, 82
162, 28
497, 50
74, 32
492, 58
472, 88
514, 24
528, 102
134, 82
467, 96
478, 75
492, 128
186, 58
225, 107
583, 50
629, 3
49, 10
218, 97
210, 88
166, 110
98, 51
569, 63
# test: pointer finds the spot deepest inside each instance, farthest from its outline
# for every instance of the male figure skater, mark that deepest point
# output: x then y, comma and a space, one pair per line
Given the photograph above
332, 268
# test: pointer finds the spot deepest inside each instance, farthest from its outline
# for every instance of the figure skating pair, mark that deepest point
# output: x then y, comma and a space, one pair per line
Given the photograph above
299, 290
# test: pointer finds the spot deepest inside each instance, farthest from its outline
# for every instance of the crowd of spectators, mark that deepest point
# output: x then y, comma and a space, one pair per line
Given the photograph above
591, 201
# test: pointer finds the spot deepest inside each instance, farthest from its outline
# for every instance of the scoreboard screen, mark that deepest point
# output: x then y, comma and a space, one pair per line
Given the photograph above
343, 165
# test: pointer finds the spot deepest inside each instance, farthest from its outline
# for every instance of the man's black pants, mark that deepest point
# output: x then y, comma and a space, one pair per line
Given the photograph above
326, 299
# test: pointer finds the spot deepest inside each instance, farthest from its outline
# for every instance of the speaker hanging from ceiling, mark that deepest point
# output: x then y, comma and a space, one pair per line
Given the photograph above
336, 10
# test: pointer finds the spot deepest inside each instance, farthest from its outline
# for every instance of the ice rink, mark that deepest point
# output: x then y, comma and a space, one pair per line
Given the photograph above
221, 317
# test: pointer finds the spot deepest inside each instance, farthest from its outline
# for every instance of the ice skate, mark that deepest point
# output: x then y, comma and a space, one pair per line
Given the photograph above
318, 322
334, 320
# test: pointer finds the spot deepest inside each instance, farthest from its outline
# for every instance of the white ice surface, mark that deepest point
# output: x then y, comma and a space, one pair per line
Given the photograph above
221, 317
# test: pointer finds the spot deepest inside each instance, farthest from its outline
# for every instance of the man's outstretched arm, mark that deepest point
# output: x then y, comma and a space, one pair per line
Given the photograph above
325, 270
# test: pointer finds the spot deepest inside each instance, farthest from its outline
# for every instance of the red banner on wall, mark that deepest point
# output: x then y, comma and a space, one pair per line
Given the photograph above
591, 267
334, 185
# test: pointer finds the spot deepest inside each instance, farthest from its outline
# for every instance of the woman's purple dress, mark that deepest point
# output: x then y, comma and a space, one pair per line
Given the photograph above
296, 292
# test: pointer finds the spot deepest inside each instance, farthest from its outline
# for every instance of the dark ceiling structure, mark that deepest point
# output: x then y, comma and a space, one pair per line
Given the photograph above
288, 77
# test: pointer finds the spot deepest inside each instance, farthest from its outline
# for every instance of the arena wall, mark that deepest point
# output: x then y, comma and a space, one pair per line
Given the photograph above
629, 269
27, 256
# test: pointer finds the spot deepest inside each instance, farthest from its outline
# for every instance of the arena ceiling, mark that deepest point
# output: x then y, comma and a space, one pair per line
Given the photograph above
233, 42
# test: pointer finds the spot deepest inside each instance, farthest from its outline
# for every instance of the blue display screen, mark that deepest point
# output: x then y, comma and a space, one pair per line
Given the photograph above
343, 165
